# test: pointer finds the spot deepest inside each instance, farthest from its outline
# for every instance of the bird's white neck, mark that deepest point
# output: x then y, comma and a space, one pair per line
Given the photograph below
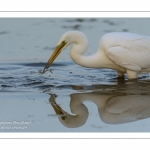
77, 51
92, 61
97, 60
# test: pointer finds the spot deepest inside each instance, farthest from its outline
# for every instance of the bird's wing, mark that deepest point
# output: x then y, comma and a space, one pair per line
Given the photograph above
133, 55
122, 58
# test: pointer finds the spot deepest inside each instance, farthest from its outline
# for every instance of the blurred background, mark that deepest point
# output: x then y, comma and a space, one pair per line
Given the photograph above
33, 39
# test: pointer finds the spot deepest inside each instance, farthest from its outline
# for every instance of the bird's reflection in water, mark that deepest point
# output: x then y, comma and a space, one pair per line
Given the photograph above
115, 105
76, 106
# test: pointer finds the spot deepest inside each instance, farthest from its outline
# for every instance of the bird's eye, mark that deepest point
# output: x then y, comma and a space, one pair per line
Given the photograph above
63, 41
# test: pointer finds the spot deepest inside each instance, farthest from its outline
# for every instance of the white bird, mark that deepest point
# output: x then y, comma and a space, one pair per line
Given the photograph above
124, 52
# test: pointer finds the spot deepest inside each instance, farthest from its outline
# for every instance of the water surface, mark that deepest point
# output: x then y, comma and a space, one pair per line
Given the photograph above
71, 99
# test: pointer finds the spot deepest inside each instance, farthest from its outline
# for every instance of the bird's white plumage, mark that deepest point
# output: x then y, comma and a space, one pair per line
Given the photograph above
131, 51
124, 52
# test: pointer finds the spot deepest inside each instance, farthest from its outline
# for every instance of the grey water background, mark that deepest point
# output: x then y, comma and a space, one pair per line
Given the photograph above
71, 98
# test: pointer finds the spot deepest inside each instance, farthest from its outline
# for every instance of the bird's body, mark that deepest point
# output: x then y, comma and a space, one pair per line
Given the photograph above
124, 52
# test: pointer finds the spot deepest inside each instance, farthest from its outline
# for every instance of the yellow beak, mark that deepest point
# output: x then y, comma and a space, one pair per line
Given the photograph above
54, 54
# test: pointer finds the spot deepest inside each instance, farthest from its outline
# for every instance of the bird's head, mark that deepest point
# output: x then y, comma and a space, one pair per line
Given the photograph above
65, 40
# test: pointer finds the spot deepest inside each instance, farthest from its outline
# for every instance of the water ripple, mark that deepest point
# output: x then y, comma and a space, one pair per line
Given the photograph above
65, 75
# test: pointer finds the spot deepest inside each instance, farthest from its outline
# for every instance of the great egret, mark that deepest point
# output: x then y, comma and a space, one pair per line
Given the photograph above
124, 52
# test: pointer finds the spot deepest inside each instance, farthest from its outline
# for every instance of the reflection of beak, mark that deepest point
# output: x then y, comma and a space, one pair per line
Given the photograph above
59, 111
54, 55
